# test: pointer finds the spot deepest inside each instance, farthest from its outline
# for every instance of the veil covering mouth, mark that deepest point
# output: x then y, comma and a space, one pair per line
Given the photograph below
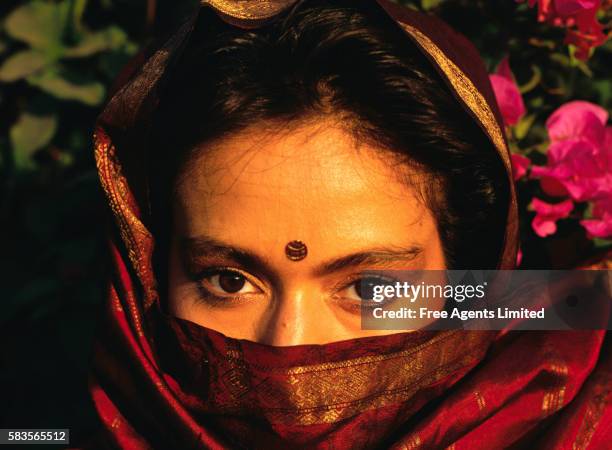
163, 382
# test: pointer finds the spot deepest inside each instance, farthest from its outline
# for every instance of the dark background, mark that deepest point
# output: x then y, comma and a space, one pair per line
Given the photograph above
56, 66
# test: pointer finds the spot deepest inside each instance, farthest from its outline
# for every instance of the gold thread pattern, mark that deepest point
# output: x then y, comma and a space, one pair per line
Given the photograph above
116, 301
480, 400
250, 10
475, 101
413, 443
306, 396
470, 95
116, 422
602, 391
136, 238
553, 399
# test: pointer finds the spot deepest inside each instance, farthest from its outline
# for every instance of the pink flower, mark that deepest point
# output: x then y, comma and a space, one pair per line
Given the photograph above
587, 34
520, 164
600, 225
576, 165
563, 12
566, 8
580, 155
580, 19
519, 257
578, 119
560, 12
507, 94
545, 222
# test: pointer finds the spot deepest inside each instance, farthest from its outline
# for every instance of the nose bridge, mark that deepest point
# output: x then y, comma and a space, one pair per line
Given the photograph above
294, 318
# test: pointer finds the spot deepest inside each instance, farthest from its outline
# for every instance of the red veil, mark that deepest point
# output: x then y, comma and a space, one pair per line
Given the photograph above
162, 382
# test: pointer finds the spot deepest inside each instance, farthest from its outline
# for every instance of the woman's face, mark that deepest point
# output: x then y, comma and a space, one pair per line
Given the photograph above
245, 197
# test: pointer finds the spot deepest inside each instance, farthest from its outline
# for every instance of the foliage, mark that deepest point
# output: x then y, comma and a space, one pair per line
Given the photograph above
57, 61
52, 52
548, 75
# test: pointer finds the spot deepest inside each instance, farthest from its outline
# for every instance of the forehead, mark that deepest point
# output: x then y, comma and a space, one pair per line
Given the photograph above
314, 183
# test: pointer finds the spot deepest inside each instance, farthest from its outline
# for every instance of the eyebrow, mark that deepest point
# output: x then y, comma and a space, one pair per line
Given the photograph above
199, 247
372, 257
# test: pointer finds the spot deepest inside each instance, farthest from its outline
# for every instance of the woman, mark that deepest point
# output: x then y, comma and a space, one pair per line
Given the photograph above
256, 164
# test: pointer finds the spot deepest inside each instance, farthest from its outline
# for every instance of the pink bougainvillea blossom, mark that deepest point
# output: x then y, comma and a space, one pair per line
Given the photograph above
580, 19
507, 94
600, 225
587, 33
545, 222
579, 157
578, 120
520, 164
578, 167
550, 185
562, 12
566, 8
503, 69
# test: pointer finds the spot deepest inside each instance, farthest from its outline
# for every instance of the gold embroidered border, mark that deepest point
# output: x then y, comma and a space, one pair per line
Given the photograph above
328, 393
470, 95
413, 443
554, 398
480, 400
601, 393
136, 238
250, 10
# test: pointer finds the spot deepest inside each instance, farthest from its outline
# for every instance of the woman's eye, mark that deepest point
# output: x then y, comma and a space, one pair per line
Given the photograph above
228, 282
363, 289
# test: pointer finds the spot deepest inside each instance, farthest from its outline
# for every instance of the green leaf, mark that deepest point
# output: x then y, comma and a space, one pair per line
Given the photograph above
533, 81
542, 43
604, 90
40, 24
584, 68
78, 9
522, 128
92, 43
536, 102
561, 59
602, 243
22, 64
29, 134
541, 148
430, 4
52, 82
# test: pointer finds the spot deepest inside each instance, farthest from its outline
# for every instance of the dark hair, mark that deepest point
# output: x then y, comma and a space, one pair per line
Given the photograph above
346, 58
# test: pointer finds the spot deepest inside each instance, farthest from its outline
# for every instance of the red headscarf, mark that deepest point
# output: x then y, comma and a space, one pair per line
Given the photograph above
162, 382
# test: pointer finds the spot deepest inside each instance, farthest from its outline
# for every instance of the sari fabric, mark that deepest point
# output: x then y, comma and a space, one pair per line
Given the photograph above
162, 382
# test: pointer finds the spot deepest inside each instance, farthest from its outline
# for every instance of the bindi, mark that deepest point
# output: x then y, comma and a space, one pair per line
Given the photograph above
296, 250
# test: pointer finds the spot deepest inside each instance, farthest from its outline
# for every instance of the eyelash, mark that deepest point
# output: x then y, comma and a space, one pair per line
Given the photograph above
357, 305
212, 299
230, 300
